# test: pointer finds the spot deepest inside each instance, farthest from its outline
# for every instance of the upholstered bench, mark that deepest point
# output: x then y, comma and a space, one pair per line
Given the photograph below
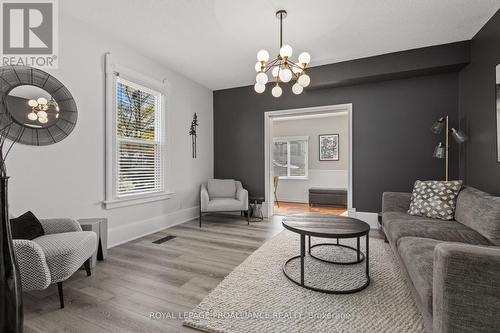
328, 196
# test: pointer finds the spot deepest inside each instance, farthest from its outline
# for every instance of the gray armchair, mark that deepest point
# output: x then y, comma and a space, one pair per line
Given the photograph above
223, 195
55, 256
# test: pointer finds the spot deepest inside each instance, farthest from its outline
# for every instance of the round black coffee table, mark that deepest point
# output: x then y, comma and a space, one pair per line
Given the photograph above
332, 227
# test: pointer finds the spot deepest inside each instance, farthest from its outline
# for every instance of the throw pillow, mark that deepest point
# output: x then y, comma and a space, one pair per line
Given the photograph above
435, 199
26, 226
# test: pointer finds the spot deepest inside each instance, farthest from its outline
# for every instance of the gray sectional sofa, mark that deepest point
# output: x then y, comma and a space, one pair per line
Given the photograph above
453, 267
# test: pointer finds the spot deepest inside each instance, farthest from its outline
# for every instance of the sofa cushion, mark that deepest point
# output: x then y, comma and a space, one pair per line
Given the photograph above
479, 211
397, 225
221, 188
66, 252
417, 254
435, 199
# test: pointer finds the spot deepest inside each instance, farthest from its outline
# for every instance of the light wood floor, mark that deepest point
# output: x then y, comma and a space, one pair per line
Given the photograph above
286, 208
140, 277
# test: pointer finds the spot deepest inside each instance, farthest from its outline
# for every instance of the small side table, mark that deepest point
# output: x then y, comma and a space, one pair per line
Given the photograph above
100, 227
255, 209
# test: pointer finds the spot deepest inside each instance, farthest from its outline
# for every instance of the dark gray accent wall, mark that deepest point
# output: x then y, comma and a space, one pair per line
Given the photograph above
392, 143
477, 104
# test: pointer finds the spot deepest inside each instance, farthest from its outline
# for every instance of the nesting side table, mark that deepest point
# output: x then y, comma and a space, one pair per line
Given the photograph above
100, 227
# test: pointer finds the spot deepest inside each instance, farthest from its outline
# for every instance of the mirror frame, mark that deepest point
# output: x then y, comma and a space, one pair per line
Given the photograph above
15, 76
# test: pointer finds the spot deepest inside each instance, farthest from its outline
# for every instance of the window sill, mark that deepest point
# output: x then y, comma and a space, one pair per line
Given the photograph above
294, 178
136, 200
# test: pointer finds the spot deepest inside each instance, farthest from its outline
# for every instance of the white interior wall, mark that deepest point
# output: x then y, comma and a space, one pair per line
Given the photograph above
333, 174
67, 179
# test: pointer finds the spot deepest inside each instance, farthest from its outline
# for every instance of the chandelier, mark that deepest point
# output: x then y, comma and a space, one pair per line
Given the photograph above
39, 108
282, 68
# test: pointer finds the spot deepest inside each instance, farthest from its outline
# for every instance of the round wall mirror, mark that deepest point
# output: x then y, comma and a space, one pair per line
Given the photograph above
35, 108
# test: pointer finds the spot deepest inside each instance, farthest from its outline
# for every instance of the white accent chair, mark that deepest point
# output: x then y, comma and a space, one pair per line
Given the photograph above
223, 195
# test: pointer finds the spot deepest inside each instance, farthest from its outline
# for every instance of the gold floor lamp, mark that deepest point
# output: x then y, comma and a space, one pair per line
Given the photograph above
442, 150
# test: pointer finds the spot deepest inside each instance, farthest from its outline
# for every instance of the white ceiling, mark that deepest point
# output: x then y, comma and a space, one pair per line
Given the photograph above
215, 42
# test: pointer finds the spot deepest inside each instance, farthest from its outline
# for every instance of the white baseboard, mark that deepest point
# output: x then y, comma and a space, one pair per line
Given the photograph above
131, 231
368, 217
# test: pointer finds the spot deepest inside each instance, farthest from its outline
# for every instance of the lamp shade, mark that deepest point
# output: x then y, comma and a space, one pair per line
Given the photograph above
458, 135
439, 151
437, 127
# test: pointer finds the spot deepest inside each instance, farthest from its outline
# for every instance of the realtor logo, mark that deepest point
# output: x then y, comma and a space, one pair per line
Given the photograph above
29, 33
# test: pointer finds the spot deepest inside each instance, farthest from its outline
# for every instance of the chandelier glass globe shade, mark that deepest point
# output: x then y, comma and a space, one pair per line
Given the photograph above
286, 51
304, 58
42, 100
297, 89
43, 120
32, 116
42, 114
286, 75
276, 92
297, 70
263, 55
304, 80
258, 66
32, 103
275, 71
261, 78
259, 88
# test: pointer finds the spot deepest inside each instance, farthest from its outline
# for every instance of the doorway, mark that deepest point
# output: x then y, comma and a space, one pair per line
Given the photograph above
305, 150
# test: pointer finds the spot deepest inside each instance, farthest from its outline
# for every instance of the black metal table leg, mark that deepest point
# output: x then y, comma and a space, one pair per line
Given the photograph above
358, 252
302, 255
367, 256
309, 242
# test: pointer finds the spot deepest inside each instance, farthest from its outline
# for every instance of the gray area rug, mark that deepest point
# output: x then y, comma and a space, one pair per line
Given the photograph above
257, 297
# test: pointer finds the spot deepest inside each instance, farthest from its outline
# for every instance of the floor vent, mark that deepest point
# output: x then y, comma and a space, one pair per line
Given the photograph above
163, 240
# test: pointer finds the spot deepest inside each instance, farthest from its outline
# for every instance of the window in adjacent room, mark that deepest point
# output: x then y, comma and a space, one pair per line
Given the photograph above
290, 157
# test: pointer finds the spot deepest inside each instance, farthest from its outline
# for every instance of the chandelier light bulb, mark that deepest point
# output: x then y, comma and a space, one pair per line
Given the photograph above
259, 88
304, 58
32, 103
258, 66
276, 92
286, 51
42, 114
297, 89
285, 75
43, 120
275, 71
42, 100
304, 80
263, 55
261, 78
297, 70
32, 116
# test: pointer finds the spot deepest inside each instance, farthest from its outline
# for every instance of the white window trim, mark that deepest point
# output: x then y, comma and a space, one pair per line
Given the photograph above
294, 138
112, 200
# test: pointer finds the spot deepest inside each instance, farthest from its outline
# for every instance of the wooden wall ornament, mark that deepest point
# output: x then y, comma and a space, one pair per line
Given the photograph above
193, 134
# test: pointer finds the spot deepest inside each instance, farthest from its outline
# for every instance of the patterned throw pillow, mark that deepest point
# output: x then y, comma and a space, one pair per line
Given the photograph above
435, 199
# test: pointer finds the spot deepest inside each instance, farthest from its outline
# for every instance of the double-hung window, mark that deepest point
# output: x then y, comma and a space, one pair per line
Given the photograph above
138, 140
290, 157
136, 168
